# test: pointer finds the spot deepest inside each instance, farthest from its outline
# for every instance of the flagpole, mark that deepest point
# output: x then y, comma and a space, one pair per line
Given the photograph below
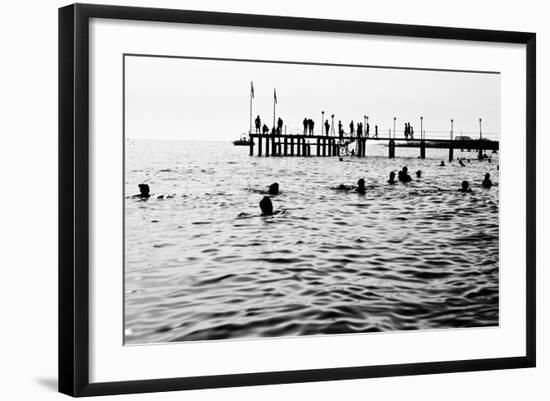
251, 92
274, 103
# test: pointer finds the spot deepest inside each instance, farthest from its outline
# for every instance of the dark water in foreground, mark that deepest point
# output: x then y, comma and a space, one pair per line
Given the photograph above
402, 257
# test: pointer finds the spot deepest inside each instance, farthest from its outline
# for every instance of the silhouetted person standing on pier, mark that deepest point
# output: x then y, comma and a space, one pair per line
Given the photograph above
406, 131
265, 129
327, 127
279, 126
367, 129
376, 131
311, 125
258, 124
351, 128
306, 124
340, 129
359, 130
411, 131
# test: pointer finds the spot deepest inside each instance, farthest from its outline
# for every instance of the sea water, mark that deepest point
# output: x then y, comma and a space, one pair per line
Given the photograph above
204, 264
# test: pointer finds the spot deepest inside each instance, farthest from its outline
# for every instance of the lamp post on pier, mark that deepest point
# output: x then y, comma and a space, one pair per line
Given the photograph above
480, 134
394, 119
421, 131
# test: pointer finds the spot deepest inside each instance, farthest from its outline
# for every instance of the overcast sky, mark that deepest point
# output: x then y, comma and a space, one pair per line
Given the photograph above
189, 99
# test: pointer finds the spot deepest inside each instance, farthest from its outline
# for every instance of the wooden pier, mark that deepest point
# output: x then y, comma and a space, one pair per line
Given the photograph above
329, 146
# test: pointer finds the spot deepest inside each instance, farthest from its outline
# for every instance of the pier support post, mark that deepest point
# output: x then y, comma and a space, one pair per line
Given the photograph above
291, 146
267, 147
422, 149
259, 146
304, 147
273, 146
324, 147
391, 146
318, 147
285, 150
251, 146
330, 147
451, 148
298, 146
480, 151
335, 149
309, 149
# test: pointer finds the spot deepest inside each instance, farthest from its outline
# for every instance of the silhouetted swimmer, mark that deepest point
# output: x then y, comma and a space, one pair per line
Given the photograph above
404, 176
461, 163
361, 186
266, 206
274, 189
487, 183
418, 174
143, 192
442, 164
465, 187
392, 178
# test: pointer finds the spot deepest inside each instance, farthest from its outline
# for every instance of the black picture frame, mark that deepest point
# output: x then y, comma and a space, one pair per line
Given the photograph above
74, 198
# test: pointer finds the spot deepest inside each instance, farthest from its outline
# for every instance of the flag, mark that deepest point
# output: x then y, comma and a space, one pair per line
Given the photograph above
252, 89
275, 95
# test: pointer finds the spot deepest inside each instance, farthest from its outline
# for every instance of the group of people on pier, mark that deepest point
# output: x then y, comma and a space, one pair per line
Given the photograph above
408, 131
358, 130
276, 130
309, 125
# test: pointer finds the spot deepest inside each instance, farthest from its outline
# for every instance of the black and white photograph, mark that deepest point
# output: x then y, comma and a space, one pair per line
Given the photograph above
271, 198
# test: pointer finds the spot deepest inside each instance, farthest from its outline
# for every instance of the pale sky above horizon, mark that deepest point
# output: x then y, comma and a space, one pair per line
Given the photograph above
190, 99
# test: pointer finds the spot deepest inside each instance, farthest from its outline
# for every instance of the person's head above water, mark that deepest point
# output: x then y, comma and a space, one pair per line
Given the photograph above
392, 175
465, 186
405, 169
487, 176
266, 206
144, 190
442, 163
274, 189
419, 173
361, 183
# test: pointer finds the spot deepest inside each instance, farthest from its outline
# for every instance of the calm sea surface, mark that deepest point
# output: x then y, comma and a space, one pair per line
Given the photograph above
205, 265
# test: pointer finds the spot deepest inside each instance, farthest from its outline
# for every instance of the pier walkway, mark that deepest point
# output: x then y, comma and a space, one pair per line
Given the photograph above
329, 146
